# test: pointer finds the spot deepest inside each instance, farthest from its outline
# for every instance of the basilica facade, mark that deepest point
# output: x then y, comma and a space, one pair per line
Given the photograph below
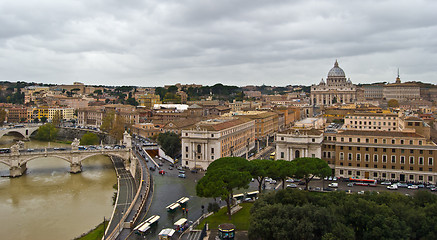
336, 89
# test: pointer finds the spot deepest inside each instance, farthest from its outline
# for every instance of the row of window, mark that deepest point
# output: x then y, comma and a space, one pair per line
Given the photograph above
365, 117
376, 140
388, 175
385, 166
374, 123
384, 158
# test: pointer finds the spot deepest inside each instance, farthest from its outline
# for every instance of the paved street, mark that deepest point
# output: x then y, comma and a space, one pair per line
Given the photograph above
126, 193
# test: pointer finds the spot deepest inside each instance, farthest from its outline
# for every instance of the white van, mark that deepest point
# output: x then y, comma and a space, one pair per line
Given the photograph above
393, 187
333, 185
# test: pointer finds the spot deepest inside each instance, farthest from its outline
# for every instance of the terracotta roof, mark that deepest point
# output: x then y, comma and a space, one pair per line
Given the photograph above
379, 133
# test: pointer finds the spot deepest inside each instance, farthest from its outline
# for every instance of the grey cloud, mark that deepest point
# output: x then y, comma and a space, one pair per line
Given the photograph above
242, 42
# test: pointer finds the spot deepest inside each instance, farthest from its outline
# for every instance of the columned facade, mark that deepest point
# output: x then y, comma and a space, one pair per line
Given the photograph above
336, 89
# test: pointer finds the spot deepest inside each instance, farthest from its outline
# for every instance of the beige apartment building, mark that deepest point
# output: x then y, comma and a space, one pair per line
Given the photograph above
378, 121
398, 156
209, 140
266, 123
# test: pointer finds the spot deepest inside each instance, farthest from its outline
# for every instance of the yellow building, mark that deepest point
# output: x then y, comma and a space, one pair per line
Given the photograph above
148, 100
266, 123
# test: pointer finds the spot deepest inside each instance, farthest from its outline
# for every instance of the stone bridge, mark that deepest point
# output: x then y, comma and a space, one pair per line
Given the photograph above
25, 131
17, 160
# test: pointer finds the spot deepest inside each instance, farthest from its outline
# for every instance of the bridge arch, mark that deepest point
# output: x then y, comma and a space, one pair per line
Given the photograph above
39, 156
4, 162
12, 131
109, 154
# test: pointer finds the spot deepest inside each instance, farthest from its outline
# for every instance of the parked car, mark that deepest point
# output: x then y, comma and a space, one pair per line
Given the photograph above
413, 187
181, 171
181, 175
162, 172
292, 185
273, 182
403, 185
333, 185
152, 168
350, 184
421, 186
386, 183
392, 187
290, 180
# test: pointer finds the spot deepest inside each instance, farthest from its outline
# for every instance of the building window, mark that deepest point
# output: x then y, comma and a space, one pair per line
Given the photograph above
358, 173
393, 176
186, 149
393, 150
212, 135
384, 158
358, 139
341, 171
282, 154
384, 141
341, 156
411, 160
429, 178
421, 160
358, 157
186, 155
411, 142
375, 140
212, 150
199, 148
350, 148
367, 140
350, 139
375, 157
393, 141
349, 156
367, 157
412, 151
411, 177
402, 141
358, 148
282, 138
212, 157
402, 159
186, 162
349, 172
393, 158
313, 140
375, 174
430, 161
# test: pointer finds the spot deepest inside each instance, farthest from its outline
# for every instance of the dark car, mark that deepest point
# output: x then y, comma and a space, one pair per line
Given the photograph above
152, 168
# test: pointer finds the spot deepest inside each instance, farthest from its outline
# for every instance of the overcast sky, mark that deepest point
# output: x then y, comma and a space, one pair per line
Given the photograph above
234, 42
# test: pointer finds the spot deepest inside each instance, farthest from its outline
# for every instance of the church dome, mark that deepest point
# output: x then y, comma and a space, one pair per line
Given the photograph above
336, 71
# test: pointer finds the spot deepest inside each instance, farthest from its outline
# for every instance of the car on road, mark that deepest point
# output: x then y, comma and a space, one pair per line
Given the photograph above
170, 168
421, 186
152, 168
402, 185
181, 171
290, 180
392, 187
194, 170
361, 192
333, 185
413, 187
181, 175
162, 172
160, 164
30, 150
273, 182
334, 179
350, 184
292, 185
386, 183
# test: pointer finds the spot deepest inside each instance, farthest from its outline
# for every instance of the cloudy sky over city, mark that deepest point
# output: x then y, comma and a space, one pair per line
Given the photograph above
234, 42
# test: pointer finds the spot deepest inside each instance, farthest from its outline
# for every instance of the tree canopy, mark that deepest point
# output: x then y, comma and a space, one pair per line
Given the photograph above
222, 177
89, 138
259, 169
47, 132
170, 143
295, 214
393, 103
308, 168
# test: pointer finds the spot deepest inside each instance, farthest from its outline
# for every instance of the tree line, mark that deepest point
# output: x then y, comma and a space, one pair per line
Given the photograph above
296, 214
229, 173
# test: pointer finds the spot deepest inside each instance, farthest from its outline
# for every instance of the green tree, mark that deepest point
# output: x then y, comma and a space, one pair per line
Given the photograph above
47, 132
308, 168
281, 169
259, 170
2, 116
393, 103
89, 138
222, 179
36, 120
43, 119
57, 118
118, 127
170, 142
132, 101
107, 121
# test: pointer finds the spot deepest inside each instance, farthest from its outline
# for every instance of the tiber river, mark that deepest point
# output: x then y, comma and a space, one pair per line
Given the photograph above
50, 203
